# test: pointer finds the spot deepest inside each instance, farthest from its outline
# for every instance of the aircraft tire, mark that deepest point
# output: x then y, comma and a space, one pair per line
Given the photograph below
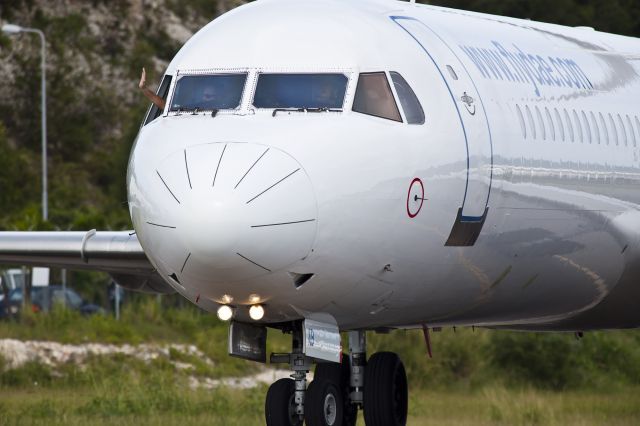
339, 374
279, 408
323, 405
386, 397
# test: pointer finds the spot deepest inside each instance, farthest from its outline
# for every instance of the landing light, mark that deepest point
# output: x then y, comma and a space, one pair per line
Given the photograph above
256, 312
225, 312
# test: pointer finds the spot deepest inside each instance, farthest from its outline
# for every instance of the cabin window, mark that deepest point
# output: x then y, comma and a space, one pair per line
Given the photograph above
596, 129
587, 129
631, 131
410, 104
603, 126
559, 123
208, 92
569, 126
310, 91
623, 133
541, 123
578, 127
374, 97
550, 124
163, 91
614, 132
523, 127
532, 125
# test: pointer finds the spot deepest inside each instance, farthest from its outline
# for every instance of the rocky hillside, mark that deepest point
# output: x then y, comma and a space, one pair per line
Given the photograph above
95, 50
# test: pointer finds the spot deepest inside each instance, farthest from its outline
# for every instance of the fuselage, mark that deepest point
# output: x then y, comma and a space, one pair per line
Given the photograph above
514, 204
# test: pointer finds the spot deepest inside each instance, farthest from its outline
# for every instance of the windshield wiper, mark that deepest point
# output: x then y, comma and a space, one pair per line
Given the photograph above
304, 109
195, 111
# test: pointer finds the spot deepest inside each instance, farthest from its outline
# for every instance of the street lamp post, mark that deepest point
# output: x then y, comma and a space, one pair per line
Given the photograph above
15, 29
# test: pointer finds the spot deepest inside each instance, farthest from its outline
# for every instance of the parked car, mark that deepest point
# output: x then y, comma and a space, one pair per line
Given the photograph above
43, 299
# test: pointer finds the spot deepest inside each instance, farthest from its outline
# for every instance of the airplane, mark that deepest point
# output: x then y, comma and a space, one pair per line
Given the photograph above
328, 166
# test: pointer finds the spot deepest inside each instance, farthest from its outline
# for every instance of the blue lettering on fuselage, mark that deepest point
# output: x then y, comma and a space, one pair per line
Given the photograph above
517, 66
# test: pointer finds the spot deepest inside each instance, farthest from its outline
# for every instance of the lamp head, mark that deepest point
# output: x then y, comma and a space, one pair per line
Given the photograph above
11, 28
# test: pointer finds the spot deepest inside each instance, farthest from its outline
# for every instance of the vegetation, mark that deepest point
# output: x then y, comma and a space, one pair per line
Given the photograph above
614, 16
464, 360
476, 377
165, 403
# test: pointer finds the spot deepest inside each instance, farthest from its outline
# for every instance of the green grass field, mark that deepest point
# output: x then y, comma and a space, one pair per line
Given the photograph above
171, 405
475, 378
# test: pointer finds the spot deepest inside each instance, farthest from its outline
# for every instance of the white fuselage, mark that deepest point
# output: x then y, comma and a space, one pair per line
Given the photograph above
537, 123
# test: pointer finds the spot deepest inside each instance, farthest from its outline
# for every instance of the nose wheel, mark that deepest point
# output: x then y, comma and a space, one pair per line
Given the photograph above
280, 407
338, 390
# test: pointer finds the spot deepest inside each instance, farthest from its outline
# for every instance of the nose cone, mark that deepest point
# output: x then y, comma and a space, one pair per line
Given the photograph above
231, 212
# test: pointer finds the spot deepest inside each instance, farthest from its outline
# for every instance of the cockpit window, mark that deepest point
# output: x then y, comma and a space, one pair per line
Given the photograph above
374, 97
313, 91
208, 92
163, 91
410, 104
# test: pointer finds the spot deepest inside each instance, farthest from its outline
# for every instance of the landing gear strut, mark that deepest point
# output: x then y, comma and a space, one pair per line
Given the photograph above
333, 398
285, 398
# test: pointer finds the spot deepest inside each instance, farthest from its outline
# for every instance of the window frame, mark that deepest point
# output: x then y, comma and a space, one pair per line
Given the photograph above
614, 130
153, 112
587, 127
391, 91
596, 128
209, 73
532, 123
541, 123
256, 78
523, 125
603, 126
551, 126
632, 131
578, 126
623, 130
559, 123
399, 103
567, 118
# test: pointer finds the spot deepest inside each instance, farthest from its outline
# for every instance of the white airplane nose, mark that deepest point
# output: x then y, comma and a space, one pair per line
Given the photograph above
233, 211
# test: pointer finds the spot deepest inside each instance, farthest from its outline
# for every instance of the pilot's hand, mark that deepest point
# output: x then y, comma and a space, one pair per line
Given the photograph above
143, 79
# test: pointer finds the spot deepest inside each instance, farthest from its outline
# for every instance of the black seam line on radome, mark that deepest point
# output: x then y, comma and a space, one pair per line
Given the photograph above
167, 186
272, 185
257, 264
250, 168
284, 223
186, 166
217, 168
185, 262
161, 226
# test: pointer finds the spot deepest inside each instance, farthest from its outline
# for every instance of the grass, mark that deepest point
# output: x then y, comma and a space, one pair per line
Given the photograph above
475, 378
171, 405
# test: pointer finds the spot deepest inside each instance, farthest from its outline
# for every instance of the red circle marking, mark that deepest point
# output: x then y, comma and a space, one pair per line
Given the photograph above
416, 180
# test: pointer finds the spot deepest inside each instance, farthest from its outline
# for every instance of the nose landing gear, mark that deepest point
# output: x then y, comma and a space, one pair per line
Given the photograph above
339, 390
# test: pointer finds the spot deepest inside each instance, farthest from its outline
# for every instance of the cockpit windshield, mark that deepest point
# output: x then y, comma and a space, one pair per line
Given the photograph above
208, 92
312, 91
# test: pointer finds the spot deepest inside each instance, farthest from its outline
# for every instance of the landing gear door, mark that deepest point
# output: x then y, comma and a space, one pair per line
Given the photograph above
471, 115
321, 340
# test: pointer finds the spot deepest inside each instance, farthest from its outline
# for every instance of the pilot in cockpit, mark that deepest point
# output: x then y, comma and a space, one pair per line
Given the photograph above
207, 98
